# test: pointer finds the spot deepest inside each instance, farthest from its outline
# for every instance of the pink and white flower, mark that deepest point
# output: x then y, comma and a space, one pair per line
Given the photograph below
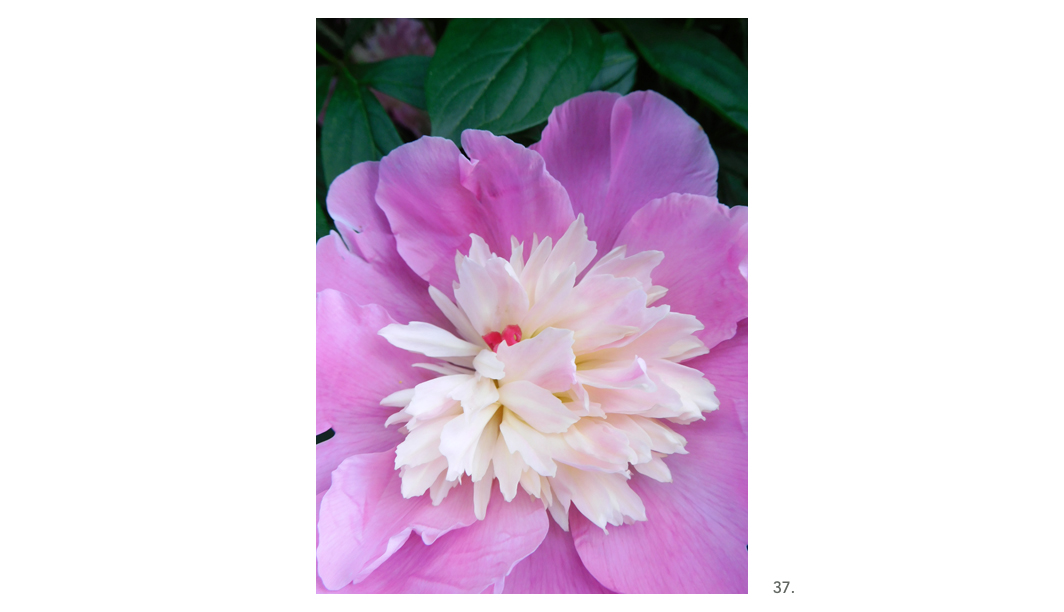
535, 360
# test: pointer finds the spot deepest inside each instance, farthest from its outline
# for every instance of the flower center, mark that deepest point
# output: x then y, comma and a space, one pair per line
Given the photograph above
511, 334
564, 402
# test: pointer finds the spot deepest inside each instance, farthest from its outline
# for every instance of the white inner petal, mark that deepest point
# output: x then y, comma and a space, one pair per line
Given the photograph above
564, 408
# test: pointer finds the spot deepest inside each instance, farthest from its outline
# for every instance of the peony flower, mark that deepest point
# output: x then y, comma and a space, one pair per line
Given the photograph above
534, 363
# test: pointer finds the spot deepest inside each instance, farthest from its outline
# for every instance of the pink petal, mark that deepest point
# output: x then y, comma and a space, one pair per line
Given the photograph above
605, 308
576, 147
626, 374
364, 519
467, 560
725, 367
322, 423
515, 191
490, 296
553, 568
429, 210
357, 368
697, 523
537, 406
546, 360
688, 229
359, 220
614, 154
435, 198
371, 272
332, 452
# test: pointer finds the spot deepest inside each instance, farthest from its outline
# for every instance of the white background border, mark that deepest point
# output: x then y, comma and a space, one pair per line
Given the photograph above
158, 334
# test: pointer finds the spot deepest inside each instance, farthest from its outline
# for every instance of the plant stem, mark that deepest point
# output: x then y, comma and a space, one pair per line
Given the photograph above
329, 56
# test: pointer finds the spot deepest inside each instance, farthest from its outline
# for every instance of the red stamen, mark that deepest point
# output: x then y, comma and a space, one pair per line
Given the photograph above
512, 334
494, 339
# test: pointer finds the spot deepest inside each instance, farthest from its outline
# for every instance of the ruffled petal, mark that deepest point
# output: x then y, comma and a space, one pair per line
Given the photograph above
365, 264
553, 568
389, 283
489, 295
434, 198
726, 368
459, 439
467, 560
603, 498
595, 445
546, 360
687, 229
364, 519
576, 147
356, 370
614, 154
516, 192
429, 340
332, 452
429, 210
322, 423
700, 517
600, 310
536, 406
628, 374
359, 220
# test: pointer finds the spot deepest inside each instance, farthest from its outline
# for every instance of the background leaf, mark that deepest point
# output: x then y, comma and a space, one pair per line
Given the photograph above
696, 60
617, 73
356, 129
385, 136
325, 223
402, 78
506, 75
324, 77
731, 180
323, 228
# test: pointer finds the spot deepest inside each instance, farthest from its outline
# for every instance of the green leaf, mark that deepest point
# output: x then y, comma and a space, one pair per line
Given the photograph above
356, 129
402, 78
324, 76
322, 187
696, 60
732, 177
505, 75
617, 73
322, 223
385, 136
325, 223
732, 189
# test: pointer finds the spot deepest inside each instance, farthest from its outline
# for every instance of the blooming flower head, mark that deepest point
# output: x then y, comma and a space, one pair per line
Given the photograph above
531, 333
509, 403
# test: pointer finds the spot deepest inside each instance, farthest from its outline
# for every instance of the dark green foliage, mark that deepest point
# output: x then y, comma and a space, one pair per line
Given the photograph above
324, 77
325, 223
506, 75
696, 60
356, 128
617, 73
402, 78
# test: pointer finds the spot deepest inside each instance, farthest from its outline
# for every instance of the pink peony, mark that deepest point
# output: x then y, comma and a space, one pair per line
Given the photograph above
535, 361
